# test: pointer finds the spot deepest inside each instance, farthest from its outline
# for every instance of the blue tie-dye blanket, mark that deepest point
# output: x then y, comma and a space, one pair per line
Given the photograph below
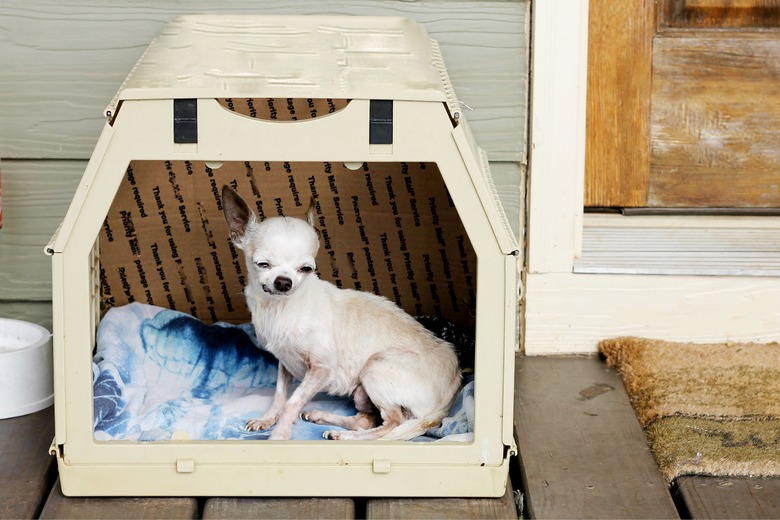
160, 374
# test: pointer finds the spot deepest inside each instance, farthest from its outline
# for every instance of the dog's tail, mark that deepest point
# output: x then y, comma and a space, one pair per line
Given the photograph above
412, 428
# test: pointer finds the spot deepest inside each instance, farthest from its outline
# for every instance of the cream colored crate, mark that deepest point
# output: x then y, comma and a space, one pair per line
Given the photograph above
360, 59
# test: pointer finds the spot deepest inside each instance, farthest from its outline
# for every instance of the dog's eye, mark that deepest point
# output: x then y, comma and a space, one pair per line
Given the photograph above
263, 265
306, 269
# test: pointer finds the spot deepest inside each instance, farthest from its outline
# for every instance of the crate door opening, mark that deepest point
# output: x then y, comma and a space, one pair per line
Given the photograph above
169, 272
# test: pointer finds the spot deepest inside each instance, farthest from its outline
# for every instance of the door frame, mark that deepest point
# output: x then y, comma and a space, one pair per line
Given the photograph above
564, 312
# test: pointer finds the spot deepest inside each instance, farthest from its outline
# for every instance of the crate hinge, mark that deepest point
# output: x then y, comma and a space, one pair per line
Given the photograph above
56, 449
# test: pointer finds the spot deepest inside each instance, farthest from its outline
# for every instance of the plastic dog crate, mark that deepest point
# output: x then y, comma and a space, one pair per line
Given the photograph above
356, 113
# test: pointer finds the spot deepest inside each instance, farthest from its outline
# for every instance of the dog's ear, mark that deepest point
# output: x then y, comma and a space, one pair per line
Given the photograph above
311, 216
237, 214
310, 213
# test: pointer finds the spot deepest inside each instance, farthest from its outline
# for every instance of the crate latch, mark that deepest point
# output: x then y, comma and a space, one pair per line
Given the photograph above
380, 128
185, 120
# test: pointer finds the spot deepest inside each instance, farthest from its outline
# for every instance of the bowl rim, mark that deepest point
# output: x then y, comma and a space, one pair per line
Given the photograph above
43, 340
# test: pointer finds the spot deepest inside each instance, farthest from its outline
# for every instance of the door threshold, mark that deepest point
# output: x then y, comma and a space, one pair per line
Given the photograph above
696, 212
711, 245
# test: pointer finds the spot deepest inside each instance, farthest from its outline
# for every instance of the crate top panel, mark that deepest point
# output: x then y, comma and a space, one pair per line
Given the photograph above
278, 56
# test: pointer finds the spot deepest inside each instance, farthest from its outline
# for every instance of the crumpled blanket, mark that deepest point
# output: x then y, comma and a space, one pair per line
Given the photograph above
160, 374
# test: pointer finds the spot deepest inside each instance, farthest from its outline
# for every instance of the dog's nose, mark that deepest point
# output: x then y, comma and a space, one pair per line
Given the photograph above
283, 284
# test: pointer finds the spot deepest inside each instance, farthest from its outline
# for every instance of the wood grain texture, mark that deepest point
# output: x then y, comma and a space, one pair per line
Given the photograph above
63, 62
582, 451
434, 508
618, 102
58, 506
26, 464
719, 14
36, 195
715, 121
281, 508
706, 497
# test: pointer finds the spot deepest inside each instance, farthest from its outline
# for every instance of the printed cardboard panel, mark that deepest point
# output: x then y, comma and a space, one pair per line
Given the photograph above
388, 228
277, 109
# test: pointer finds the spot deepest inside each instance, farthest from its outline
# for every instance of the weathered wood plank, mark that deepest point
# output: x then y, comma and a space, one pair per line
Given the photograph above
25, 463
60, 506
36, 195
63, 62
719, 14
433, 508
715, 122
582, 451
271, 508
706, 497
618, 103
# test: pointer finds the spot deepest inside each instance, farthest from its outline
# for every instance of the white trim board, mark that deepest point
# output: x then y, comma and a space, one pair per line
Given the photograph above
571, 313
557, 152
566, 312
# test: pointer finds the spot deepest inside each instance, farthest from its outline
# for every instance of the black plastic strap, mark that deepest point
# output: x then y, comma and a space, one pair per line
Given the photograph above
185, 120
380, 129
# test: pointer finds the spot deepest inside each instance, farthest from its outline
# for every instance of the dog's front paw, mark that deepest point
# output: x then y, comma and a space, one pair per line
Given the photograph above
261, 423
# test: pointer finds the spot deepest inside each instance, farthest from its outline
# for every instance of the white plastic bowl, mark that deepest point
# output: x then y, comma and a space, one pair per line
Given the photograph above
26, 384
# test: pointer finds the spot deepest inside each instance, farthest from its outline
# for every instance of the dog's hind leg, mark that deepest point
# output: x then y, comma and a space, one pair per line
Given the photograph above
360, 421
390, 419
396, 426
363, 420
412, 428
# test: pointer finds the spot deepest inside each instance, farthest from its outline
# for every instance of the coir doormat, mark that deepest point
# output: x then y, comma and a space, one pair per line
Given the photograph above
707, 409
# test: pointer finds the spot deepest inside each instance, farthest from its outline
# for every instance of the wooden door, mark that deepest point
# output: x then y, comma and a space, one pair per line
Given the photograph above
683, 104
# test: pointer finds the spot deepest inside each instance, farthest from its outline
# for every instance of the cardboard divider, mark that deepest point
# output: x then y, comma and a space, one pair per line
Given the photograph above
387, 228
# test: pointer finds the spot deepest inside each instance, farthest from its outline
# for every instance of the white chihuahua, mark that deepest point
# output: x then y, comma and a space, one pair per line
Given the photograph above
341, 341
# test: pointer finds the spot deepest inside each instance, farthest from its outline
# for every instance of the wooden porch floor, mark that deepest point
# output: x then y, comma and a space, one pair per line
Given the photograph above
582, 455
